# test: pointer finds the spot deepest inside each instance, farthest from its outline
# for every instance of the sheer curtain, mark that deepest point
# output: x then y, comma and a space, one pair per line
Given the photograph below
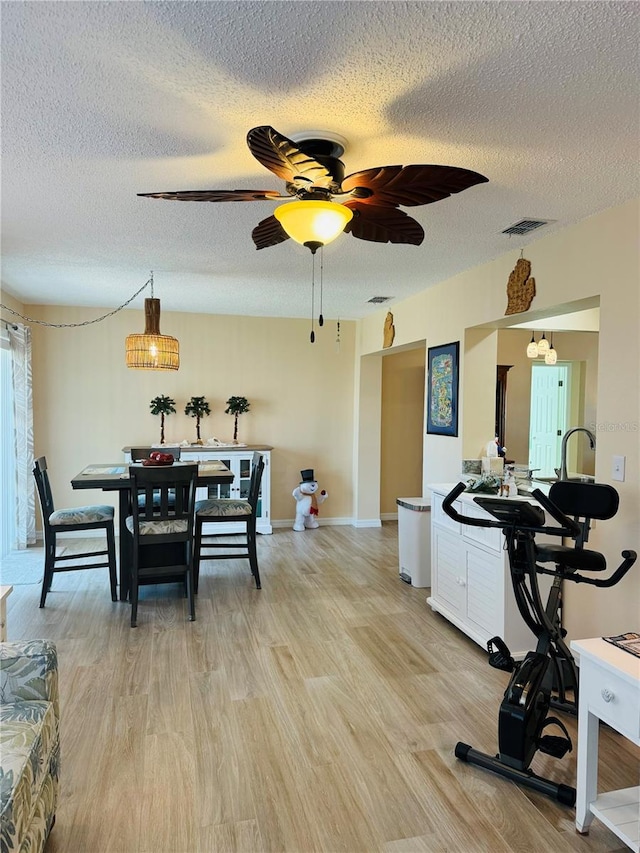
21, 391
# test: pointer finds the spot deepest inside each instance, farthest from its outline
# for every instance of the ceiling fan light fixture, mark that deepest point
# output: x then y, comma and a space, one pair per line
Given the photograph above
151, 350
313, 223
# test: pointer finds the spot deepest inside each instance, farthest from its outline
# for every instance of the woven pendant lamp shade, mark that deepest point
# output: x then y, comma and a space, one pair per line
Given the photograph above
152, 351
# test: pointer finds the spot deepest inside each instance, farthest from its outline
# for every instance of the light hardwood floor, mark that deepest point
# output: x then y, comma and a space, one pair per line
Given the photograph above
317, 714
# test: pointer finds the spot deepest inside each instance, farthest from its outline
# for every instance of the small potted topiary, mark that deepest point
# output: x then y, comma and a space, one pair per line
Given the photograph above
236, 406
197, 407
162, 406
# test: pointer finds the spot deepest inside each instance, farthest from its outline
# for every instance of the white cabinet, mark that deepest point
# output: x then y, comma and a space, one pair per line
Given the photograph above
609, 691
238, 460
470, 577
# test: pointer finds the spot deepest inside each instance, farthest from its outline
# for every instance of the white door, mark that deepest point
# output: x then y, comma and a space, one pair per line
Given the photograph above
548, 417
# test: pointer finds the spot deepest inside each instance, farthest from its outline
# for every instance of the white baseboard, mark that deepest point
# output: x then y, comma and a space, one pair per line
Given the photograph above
280, 523
331, 522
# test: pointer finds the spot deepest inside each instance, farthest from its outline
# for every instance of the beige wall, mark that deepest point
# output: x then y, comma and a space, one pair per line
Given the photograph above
323, 410
88, 405
598, 257
402, 427
580, 348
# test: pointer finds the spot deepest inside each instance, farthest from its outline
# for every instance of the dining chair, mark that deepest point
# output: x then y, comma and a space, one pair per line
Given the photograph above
225, 510
139, 454
161, 526
61, 521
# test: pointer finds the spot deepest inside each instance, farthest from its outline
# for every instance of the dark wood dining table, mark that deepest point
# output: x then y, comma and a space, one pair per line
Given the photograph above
115, 477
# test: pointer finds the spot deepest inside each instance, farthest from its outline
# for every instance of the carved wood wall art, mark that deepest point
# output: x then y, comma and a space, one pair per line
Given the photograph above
389, 331
521, 288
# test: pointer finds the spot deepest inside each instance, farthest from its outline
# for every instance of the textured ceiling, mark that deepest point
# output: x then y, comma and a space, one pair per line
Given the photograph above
101, 101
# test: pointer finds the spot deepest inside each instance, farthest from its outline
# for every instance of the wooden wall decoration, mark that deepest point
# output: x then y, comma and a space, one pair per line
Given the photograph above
521, 288
389, 331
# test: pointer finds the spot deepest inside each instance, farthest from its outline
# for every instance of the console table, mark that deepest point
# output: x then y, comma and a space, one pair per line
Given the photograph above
609, 691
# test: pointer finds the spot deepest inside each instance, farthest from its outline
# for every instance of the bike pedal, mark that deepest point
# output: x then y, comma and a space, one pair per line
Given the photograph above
499, 655
554, 745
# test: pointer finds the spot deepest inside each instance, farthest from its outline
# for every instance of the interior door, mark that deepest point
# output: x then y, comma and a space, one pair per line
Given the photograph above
548, 417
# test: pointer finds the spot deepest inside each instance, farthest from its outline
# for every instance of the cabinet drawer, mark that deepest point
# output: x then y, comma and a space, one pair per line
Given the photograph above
439, 516
488, 537
610, 698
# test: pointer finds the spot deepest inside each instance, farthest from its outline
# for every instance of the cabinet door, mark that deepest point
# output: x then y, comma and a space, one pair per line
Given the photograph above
223, 490
448, 570
484, 591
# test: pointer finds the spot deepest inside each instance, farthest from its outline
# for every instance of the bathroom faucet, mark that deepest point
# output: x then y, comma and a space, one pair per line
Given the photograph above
563, 450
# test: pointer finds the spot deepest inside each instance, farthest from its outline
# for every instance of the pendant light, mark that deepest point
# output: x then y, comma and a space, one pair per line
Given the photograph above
152, 350
543, 345
532, 349
551, 356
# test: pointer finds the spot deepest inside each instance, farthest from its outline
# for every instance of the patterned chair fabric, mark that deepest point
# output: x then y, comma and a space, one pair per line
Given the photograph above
156, 528
29, 744
223, 507
81, 515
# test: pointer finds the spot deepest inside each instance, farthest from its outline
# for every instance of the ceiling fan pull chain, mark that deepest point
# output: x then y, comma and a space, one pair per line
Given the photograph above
320, 317
312, 336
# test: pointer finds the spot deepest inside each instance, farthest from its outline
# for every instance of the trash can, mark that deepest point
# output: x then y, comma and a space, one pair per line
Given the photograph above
414, 540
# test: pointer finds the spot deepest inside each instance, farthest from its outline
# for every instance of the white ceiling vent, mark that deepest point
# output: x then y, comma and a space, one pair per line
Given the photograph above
526, 225
378, 299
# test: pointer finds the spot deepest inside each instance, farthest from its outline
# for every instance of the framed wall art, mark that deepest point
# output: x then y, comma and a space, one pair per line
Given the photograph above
442, 398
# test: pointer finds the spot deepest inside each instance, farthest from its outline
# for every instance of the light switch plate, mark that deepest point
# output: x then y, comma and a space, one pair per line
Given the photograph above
617, 468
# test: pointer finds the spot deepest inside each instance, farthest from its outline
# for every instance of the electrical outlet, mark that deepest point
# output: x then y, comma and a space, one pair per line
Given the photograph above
617, 468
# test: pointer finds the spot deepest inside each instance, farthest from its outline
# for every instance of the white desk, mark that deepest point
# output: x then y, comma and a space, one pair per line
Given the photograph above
609, 691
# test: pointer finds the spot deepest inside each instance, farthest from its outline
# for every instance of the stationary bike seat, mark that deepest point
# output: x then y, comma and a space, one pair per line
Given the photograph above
571, 558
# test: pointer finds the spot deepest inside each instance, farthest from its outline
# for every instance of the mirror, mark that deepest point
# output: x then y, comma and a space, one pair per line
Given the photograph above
539, 402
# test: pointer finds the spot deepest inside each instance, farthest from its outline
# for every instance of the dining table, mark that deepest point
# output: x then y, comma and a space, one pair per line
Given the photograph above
115, 477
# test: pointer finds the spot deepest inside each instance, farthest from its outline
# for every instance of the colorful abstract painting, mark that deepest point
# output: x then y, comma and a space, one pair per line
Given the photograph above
442, 406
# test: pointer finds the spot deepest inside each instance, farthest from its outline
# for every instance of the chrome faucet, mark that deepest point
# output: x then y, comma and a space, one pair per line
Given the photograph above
563, 449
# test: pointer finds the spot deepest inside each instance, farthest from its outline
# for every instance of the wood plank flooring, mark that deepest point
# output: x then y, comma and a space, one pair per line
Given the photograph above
317, 714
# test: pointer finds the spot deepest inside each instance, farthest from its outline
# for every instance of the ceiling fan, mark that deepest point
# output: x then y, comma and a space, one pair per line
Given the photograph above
312, 171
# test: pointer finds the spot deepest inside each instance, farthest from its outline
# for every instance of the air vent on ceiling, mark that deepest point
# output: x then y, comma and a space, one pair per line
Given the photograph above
378, 299
526, 225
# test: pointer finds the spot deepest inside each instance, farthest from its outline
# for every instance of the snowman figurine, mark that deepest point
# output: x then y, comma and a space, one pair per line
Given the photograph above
308, 499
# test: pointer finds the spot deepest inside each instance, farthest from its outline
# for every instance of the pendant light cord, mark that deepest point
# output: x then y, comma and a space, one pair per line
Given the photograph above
320, 317
312, 336
85, 322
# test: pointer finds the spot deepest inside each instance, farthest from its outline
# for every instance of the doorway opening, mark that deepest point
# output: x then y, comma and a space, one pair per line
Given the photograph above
549, 415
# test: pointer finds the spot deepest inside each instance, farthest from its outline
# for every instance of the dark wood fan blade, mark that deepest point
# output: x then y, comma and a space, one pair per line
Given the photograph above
283, 157
217, 195
410, 185
383, 224
269, 232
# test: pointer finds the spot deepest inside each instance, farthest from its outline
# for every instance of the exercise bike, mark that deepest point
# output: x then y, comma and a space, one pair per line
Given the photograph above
547, 677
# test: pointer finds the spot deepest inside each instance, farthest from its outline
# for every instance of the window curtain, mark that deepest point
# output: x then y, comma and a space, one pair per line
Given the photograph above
20, 343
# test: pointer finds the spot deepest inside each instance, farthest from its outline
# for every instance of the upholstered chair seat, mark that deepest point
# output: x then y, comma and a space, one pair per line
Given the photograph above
81, 515
223, 507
